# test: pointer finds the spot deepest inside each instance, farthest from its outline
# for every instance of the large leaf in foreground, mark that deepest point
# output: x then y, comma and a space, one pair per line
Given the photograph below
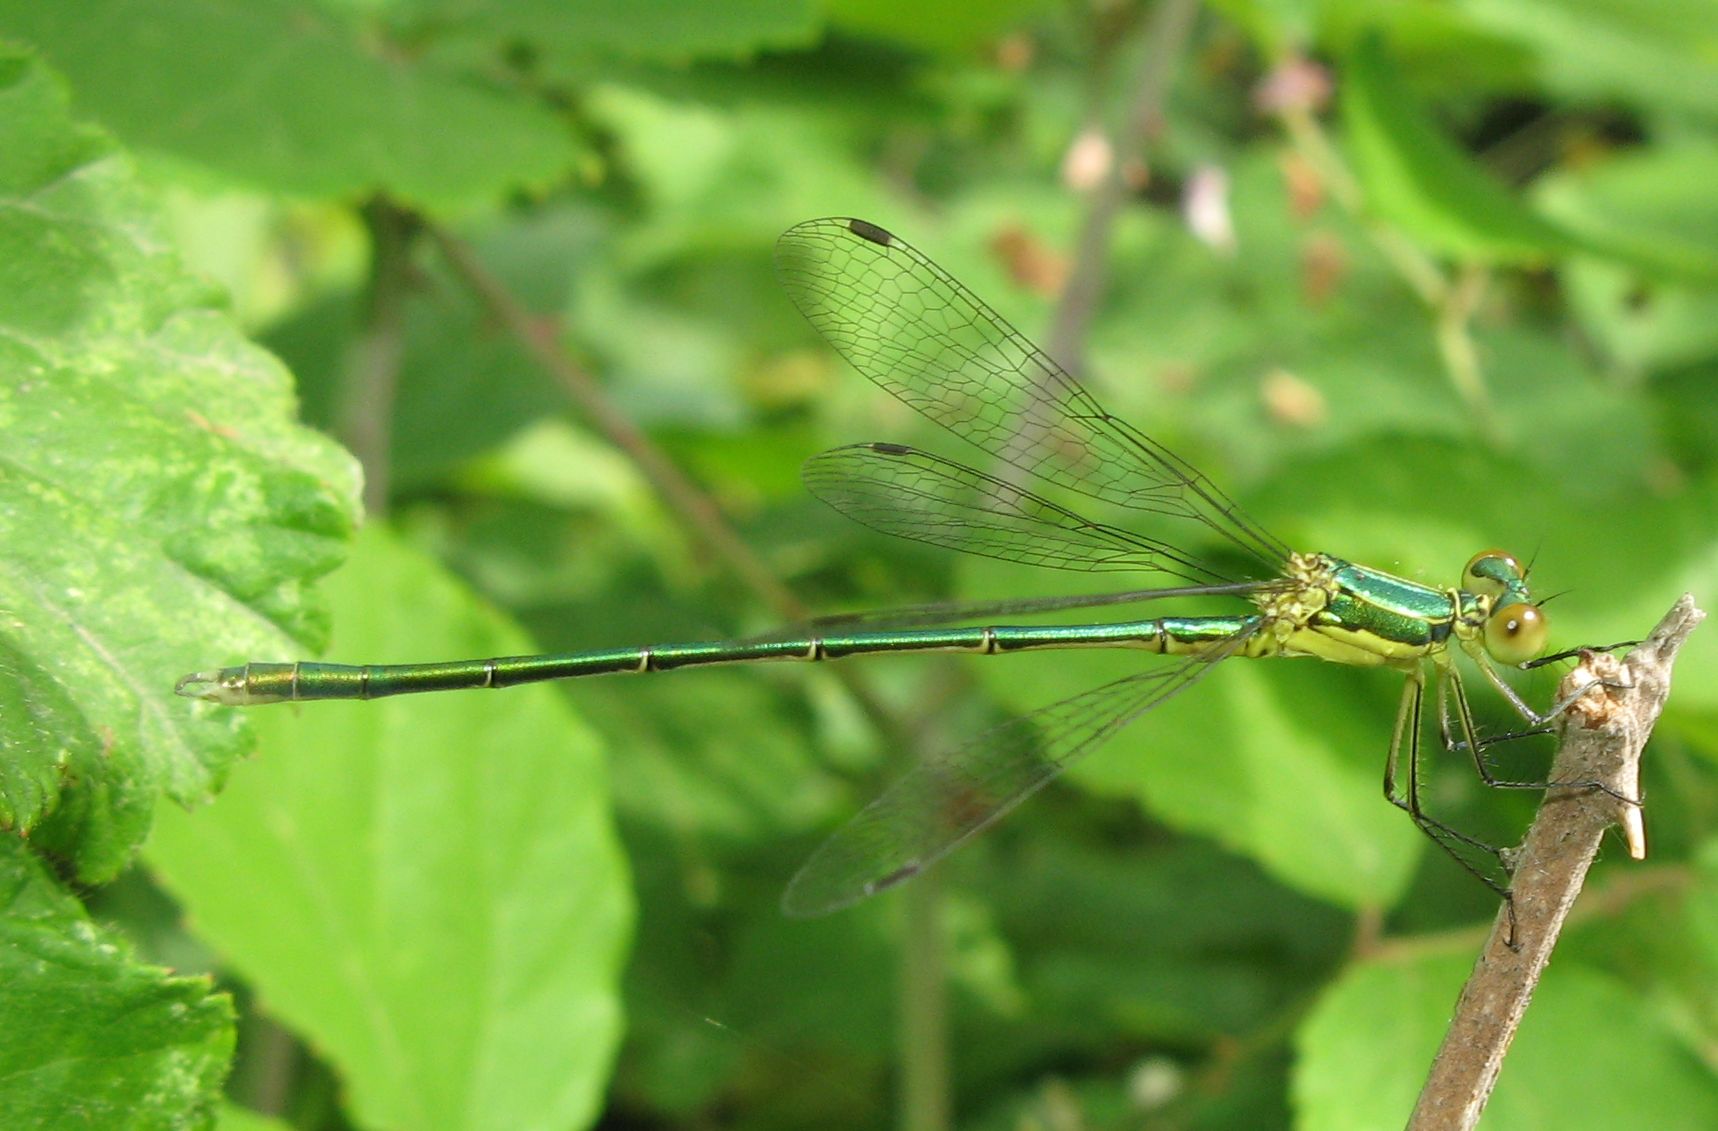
1417, 178
427, 888
290, 97
92, 1037
154, 491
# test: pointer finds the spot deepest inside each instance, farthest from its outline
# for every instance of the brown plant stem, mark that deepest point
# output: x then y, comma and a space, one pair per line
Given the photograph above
684, 498
1166, 35
366, 410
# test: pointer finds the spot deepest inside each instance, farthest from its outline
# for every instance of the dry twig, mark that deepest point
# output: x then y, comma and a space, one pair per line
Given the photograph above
1599, 763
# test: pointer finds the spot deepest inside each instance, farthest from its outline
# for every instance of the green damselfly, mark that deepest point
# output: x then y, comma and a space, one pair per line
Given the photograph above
913, 330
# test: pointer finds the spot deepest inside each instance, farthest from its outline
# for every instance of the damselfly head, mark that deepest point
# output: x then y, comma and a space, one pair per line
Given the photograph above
1515, 629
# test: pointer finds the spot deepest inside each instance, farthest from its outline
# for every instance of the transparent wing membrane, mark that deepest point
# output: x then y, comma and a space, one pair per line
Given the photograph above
948, 798
913, 330
914, 494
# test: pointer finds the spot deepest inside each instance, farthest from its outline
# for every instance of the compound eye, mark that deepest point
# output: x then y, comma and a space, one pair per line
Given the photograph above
1516, 633
1490, 572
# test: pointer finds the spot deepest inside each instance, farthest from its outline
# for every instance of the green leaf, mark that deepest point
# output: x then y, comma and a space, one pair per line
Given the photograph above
92, 1037
279, 94
1653, 301
718, 178
1261, 763
945, 25
427, 888
1642, 326
1416, 178
238, 1119
640, 29
1276, 25
1174, 941
1591, 1052
1652, 209
153, 492
1654, 57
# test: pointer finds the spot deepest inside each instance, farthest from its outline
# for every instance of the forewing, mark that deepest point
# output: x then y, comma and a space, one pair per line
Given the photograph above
912, 329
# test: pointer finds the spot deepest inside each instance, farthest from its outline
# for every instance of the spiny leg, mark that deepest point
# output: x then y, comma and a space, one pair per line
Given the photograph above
1426, 822
1451, 689
1410, 718
1522, 708
1576, 653
1407, 722
1537, 724
1458, 845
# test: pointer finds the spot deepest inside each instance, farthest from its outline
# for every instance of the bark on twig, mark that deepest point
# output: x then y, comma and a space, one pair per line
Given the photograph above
1602, 736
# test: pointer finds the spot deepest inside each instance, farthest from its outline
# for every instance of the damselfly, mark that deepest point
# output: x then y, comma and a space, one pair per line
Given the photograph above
916, 332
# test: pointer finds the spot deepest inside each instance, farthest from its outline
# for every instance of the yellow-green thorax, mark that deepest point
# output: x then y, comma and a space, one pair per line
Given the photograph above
1352, 614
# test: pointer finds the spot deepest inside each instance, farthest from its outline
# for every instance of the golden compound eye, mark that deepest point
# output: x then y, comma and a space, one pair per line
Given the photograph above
1516, 633
1489, 573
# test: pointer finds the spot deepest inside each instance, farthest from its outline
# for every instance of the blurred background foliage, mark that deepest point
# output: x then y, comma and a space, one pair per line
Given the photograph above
1407, 280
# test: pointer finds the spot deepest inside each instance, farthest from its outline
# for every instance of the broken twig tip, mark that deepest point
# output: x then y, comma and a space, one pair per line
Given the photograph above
1634, 832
